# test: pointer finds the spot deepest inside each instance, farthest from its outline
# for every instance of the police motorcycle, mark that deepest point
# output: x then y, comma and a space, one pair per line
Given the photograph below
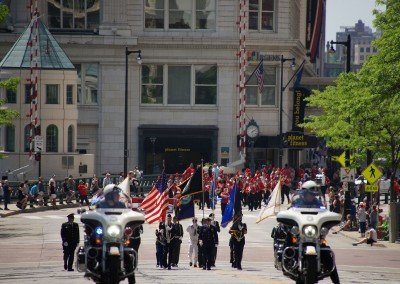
106, 256
306, 257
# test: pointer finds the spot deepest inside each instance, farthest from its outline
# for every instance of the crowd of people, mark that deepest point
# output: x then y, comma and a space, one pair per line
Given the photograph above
40, 193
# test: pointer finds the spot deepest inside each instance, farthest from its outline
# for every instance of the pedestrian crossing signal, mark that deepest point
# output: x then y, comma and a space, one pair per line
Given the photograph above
38, 156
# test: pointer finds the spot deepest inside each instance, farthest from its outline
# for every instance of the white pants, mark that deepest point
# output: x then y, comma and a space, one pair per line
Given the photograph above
193, 250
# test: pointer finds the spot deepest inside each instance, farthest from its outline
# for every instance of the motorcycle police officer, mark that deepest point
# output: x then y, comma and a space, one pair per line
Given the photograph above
70, 240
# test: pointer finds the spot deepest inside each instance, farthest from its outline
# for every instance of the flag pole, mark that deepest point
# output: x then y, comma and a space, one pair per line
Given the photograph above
202, 185
248, 79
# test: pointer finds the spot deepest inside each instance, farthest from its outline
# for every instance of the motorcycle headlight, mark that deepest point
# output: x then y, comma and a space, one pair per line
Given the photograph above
324, 231
295, 230
113, 231
310, 231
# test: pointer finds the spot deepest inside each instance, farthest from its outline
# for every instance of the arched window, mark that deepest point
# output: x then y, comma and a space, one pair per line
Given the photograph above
27, 133
52, 138
70, 138
10, 139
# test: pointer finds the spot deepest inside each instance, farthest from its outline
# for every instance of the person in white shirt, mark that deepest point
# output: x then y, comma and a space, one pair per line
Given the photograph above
193, 239
371, 238
107, 180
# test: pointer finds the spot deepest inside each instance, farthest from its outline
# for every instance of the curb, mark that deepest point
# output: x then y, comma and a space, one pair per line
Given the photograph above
37, 209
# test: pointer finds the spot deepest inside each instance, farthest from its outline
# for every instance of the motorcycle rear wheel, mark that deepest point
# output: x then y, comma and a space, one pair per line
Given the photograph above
310, 276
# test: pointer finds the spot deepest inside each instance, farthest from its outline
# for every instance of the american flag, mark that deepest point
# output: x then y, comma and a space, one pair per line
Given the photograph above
156, 202
260, 76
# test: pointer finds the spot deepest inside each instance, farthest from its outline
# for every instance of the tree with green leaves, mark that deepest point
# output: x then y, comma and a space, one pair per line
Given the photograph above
7, 115
362, 112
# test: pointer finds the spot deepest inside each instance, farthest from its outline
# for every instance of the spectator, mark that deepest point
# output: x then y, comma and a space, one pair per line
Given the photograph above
27, 192
22, 197
94, 186
1, 193
6, 194
374, 217
107, 180
82, 187
121, 177
52, 193
346, 226
71, 184
35, 192
42, 196
362, 219
370, 239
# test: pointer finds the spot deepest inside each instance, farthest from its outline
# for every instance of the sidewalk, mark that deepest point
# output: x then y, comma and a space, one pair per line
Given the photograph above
14, 210
355, 235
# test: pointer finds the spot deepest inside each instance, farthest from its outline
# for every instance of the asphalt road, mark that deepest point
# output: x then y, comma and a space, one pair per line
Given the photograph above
31, 252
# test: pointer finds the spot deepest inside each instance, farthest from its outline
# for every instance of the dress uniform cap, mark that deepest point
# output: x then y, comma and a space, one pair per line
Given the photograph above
72, 215
169, 216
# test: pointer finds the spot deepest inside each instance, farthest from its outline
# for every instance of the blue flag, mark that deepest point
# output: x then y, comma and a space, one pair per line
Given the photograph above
229, 209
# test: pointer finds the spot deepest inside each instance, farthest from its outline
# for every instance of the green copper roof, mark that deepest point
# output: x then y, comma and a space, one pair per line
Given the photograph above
50, 54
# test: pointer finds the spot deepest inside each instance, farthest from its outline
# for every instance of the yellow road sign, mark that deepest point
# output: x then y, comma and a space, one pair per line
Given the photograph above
340, 159
371, 173
371, 188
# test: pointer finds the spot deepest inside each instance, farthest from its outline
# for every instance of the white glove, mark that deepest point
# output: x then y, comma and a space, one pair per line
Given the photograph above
240, 227
65, 244
216, 245
201, 243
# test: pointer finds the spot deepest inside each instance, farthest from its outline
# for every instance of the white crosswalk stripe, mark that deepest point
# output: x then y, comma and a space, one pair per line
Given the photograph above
42, 217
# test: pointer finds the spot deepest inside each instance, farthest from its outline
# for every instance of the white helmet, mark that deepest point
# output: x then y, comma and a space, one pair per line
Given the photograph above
109, 191
310, 184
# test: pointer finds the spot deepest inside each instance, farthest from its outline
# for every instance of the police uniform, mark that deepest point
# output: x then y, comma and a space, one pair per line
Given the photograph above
135, 238
176, 242
209, 240
169, 234
70, 240
217, 227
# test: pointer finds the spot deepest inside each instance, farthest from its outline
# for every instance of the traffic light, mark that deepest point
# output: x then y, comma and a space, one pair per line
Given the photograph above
37, 156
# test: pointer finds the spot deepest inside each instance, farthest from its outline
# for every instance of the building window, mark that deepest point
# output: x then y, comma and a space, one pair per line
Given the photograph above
27, 93
261, 15
70, 94
180, 14
52, 138
152, 84
52, 94
206, 84
179, 84
362, 57
10, 139
186, 85
88, 83
73, 14
11, 97
368, 50
267, 97
70, 138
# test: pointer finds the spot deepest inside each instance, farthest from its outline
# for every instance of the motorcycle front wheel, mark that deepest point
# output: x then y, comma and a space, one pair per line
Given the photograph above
114, 263
310, 276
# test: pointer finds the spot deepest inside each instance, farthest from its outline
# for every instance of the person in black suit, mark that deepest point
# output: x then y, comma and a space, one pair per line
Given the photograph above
70, 240
217, 227
208, 239
177, 241
169, 234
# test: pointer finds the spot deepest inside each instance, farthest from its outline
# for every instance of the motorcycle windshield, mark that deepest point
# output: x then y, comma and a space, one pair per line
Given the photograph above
307, 200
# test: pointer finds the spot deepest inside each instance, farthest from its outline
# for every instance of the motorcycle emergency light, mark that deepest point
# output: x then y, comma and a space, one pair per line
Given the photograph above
98, 241
99, 230
128, 242
113, 230
128, 231
323, 242
324, 231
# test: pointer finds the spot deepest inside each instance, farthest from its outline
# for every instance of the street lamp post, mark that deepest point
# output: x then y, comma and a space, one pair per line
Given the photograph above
153, 141
347, 44
139, 60
293, 65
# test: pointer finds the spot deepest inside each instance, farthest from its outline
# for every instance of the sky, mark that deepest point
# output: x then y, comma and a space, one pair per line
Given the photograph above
347, 13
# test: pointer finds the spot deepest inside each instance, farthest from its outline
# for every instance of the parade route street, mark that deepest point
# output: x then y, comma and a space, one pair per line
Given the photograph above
31, 252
